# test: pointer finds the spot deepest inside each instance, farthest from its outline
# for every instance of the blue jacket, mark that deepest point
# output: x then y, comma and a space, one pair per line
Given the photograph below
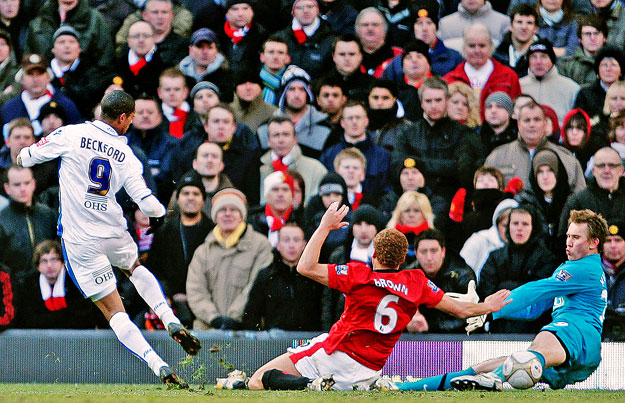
378, 163
443, 60
561, 35
15, 108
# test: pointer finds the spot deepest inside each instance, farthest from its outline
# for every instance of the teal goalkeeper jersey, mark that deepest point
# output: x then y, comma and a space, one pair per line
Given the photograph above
577, 291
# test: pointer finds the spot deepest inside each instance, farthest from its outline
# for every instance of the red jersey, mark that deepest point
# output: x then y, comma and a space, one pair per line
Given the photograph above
378, 307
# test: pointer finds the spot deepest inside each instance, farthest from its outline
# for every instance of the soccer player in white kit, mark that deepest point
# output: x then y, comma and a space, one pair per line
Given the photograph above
95, 163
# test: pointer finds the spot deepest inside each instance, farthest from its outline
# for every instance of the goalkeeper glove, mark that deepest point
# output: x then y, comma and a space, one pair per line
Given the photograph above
470, 296
155, 223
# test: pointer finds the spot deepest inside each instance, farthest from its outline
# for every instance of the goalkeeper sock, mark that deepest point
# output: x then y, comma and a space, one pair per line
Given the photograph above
130, 337
540, 357
435, 383
150, 290
277, 380
499, 370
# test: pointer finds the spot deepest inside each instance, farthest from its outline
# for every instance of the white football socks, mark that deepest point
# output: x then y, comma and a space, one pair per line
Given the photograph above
130, 336
150, 290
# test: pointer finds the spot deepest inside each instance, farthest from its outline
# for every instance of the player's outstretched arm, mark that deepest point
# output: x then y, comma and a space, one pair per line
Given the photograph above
309, 261
462, 309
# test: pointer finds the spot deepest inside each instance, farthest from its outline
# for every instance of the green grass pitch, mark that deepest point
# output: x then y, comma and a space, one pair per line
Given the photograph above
23, 393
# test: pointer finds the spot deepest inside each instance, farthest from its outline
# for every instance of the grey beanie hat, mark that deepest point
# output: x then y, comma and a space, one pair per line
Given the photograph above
65, 30
205, 85
502, 99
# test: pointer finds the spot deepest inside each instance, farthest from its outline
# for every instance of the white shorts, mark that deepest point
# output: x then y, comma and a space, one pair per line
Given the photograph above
89, 264
311, 361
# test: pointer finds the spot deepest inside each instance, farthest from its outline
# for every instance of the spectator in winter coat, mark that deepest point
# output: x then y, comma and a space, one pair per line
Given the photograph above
225, 266
280, 297
613, 262
480, 71
592, 32
605, 193
309, 38
523, 259
512, 51
480, 244
442, 59
470, 12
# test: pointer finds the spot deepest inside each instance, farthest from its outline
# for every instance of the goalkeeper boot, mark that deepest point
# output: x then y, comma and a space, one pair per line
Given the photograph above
235, 380
190, 344
169, 378
384, 384
323, 383
487, 381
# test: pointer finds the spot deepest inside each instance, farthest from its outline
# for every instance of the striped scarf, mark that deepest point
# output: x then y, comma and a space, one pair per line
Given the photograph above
271, 83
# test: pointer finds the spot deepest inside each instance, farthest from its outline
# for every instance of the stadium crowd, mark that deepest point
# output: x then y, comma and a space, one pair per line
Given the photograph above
472, 127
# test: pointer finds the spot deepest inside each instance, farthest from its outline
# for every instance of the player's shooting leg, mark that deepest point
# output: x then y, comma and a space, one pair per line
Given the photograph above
489, 365
150, 290
551, 348
278, 374
127, 332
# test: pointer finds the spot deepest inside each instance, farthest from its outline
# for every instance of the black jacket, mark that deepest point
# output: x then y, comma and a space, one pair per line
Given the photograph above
33, 314
453, 276
502, 55
590, 98
147, 79
514, 265
614, 325
245, 53
610, 205
315, 54
256, 218
169, 258
281, 298
85, 86
439, 147
21, 229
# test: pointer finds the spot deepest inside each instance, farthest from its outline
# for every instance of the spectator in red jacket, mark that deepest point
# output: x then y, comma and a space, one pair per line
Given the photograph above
483, 73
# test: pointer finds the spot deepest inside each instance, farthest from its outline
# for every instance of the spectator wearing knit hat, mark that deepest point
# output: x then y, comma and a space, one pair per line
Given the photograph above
278, 189
387, 113
358, 247
52, 116
442, 59
286, 155
175, 242
498, 127
225, 266
309, 38
609, 66
544, 83
206, 62
331, 189
241, 37
296, 102
75, 74
249, 106
407, 175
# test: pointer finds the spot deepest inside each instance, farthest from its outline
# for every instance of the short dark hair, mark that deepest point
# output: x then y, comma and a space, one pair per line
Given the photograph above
116, 103
275, 38
390, 85
222, 105
297, 177
347, 38
525, 10
592, 20
432, 234
328, 81
280, 119
14, 167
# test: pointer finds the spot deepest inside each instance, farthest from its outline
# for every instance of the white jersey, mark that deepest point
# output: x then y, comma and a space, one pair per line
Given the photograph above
95, 163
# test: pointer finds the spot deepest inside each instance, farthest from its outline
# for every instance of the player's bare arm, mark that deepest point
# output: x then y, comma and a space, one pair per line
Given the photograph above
462, 309
309, 265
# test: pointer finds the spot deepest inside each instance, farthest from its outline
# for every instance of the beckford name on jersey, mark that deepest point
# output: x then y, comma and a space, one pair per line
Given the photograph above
102, 148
